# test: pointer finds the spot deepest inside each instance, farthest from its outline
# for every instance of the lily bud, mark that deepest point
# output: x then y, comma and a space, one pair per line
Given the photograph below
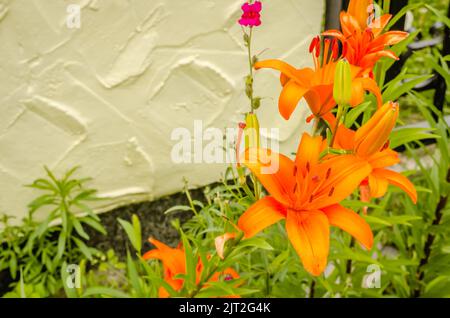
374, 134
342, 89
251, 131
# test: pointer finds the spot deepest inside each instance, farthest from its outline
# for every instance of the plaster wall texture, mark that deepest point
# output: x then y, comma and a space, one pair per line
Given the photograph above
108, 95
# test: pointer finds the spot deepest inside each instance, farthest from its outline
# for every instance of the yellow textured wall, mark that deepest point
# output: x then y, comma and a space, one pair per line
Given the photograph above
107, 96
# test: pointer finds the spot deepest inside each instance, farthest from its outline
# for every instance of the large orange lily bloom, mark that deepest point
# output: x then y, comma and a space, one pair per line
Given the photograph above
364, 41
306, 193
370, 143
316, 85
174, 263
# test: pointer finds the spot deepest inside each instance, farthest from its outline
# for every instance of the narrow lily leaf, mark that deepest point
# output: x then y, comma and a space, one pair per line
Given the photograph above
137, 233
190, 263
405, 135
104, 291
129, 230
393, 92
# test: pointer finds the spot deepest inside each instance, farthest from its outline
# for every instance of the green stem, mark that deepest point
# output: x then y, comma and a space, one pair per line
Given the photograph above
250, 63
336, 126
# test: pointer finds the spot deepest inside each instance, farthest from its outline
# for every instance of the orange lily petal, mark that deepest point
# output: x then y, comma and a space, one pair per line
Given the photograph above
377, 26
172, 258
349, 24
359, 10
176, 284
320, 99
386, 39
263, 213
357, 92
377, 184
400, 181
309, 233
385, 158
289, 98
278, 65
374, 134
275, 172
370, 85
308, 152
350, 222
344, 137
346, 173
335, 33
372, 58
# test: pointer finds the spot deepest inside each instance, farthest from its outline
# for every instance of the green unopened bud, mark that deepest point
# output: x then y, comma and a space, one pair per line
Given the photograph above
251, 131
254, 60
342, 90
256, 102
249, 86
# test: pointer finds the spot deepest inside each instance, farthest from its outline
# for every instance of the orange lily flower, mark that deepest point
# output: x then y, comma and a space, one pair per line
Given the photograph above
174, 263
316, 85
306, 193
364, 42
370, 143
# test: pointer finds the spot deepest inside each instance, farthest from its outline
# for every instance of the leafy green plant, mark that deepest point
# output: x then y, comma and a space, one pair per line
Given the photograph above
40, 248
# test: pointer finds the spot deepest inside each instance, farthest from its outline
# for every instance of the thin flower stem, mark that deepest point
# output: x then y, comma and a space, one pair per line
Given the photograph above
250, 63
256, 186
341, 111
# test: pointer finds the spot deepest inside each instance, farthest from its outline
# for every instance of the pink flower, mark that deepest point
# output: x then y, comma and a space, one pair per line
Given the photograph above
251, 16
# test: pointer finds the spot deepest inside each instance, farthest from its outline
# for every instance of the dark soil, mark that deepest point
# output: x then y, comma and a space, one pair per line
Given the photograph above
154, 223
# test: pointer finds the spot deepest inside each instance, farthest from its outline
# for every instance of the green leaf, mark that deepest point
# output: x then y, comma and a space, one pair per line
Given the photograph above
94, 224
61, 245
355, 112
13, 265
405, 135
104, 291
134, 276
83, 248
191, 262
79, 228
401, 85
178, 208
402, 12
392, 220
137, 232
132, 236
441, 17
257, 242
